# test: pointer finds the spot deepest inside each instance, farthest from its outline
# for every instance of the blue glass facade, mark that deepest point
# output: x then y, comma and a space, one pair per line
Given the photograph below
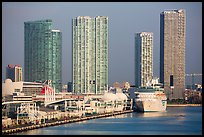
43, 52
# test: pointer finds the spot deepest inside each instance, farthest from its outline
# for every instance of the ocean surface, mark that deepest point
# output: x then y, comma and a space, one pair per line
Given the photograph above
174, 121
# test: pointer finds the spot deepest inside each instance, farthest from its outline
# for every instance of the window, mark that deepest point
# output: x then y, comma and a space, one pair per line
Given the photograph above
17, 90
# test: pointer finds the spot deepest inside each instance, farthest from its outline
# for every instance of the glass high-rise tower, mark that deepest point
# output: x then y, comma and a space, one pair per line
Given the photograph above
172, 52
143, 58
90, 54
42, 52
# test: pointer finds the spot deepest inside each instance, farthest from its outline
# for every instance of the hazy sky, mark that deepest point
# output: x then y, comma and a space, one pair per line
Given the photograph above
125, 19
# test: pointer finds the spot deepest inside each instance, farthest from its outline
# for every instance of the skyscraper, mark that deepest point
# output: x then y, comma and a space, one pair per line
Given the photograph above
42, 52
172, 52
15, 73
143, 58
90, 54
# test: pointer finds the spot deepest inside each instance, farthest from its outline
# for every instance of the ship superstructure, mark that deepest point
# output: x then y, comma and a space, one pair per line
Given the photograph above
150, 98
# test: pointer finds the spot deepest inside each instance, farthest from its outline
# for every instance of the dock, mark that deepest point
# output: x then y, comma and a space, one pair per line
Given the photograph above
54, 123
183, 105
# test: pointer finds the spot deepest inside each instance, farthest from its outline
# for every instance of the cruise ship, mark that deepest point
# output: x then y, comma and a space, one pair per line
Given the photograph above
150, 98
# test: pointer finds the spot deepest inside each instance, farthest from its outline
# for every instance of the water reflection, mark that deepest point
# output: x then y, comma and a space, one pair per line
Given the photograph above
151, 114
118, 116
180, 114
158, 114
170, 112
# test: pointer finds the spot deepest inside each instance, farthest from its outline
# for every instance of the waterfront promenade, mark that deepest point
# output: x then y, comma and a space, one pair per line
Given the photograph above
174, 121
59, 122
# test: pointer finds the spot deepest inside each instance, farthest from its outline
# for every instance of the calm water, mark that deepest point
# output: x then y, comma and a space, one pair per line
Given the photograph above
175, 121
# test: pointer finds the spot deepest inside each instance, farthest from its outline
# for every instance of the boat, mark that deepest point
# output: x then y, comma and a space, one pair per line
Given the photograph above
150, 98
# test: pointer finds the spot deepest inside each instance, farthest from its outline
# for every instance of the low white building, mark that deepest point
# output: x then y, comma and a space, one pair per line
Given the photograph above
28, 88
9, 87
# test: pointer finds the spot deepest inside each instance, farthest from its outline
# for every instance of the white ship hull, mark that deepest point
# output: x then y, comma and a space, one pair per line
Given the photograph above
151, 97
151, 105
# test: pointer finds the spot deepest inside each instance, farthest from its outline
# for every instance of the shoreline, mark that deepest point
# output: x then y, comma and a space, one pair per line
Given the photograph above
79, 119
54, 123
183, 105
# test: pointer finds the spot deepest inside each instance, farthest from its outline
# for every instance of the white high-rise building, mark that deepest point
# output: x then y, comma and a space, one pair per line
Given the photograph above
143, 58
90, 54
15, 73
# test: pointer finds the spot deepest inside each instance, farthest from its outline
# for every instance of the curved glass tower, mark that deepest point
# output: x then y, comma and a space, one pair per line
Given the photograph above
42, 52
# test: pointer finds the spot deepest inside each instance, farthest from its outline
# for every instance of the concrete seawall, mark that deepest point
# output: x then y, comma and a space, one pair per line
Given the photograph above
21, 129
183, 105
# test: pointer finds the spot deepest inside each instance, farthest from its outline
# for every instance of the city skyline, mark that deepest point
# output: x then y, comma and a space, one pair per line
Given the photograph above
123, 24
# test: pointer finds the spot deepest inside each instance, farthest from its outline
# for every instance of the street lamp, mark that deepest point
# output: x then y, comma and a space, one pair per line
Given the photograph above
172, 88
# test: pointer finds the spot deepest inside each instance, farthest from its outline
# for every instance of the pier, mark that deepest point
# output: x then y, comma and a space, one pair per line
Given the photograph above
60, 122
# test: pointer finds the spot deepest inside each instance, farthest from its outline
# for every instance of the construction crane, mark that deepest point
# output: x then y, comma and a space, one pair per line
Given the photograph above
193, 78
